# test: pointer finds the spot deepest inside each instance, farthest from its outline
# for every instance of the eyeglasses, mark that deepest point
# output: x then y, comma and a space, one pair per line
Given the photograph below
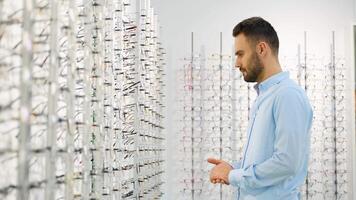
82, 108
211, 119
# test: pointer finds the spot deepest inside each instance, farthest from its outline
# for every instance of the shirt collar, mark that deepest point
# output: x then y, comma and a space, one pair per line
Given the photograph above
271, 81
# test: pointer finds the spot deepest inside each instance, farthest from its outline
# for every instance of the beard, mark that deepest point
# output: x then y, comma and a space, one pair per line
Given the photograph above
253, 69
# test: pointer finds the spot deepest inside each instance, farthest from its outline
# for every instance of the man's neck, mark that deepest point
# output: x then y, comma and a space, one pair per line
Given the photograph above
272, 69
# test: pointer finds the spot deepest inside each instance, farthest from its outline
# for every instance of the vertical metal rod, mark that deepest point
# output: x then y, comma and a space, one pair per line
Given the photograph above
70, 97
157, 143
52, 105
192, 110
99, 108
87, 130
220, 106
94, 121
305, 62
25, 101
161, 102
333, 67
118, 71
150, 28
94, 75
202, 99
137, 100
306, 91
300, 69
108, 99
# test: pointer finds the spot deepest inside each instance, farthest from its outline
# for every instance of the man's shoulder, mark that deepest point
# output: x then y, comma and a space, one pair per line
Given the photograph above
290, 85
290, 89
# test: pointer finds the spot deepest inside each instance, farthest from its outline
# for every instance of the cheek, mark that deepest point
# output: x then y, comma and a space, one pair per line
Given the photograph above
246, 64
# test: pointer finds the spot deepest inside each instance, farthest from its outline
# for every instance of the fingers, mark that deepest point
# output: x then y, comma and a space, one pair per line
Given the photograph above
214, 161
218, 181
214, 178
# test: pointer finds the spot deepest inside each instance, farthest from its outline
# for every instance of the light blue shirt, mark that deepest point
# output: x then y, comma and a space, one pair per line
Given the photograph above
275, 157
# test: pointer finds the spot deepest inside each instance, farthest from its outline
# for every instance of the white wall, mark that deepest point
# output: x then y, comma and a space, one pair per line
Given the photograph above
354, 6
206, 18
353, 138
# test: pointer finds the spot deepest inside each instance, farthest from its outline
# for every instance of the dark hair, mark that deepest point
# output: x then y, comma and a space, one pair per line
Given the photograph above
257, 29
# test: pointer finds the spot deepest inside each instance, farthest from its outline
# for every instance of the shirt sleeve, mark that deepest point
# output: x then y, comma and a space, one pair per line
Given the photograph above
292, 115
236, 164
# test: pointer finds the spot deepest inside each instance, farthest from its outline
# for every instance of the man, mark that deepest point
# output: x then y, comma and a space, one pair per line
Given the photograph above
275, 157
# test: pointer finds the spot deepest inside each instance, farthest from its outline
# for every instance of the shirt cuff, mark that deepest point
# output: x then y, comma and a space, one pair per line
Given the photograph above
236, 165
235, 177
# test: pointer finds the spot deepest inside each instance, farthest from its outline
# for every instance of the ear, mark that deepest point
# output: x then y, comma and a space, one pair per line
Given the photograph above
261, 49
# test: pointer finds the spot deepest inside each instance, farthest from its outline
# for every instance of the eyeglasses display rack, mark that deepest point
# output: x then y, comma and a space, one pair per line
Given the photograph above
82, 113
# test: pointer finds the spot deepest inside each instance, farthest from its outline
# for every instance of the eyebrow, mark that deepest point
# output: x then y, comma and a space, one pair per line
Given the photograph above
238, 52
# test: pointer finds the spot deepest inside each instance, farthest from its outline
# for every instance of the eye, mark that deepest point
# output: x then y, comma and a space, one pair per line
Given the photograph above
239, 55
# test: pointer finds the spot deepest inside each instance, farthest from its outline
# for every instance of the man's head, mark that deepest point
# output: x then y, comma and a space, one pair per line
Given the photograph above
256, 46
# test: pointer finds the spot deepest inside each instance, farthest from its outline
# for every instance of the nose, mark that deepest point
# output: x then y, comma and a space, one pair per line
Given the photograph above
237, 63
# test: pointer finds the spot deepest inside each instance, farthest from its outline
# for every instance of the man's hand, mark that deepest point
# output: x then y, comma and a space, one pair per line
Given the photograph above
219, 173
